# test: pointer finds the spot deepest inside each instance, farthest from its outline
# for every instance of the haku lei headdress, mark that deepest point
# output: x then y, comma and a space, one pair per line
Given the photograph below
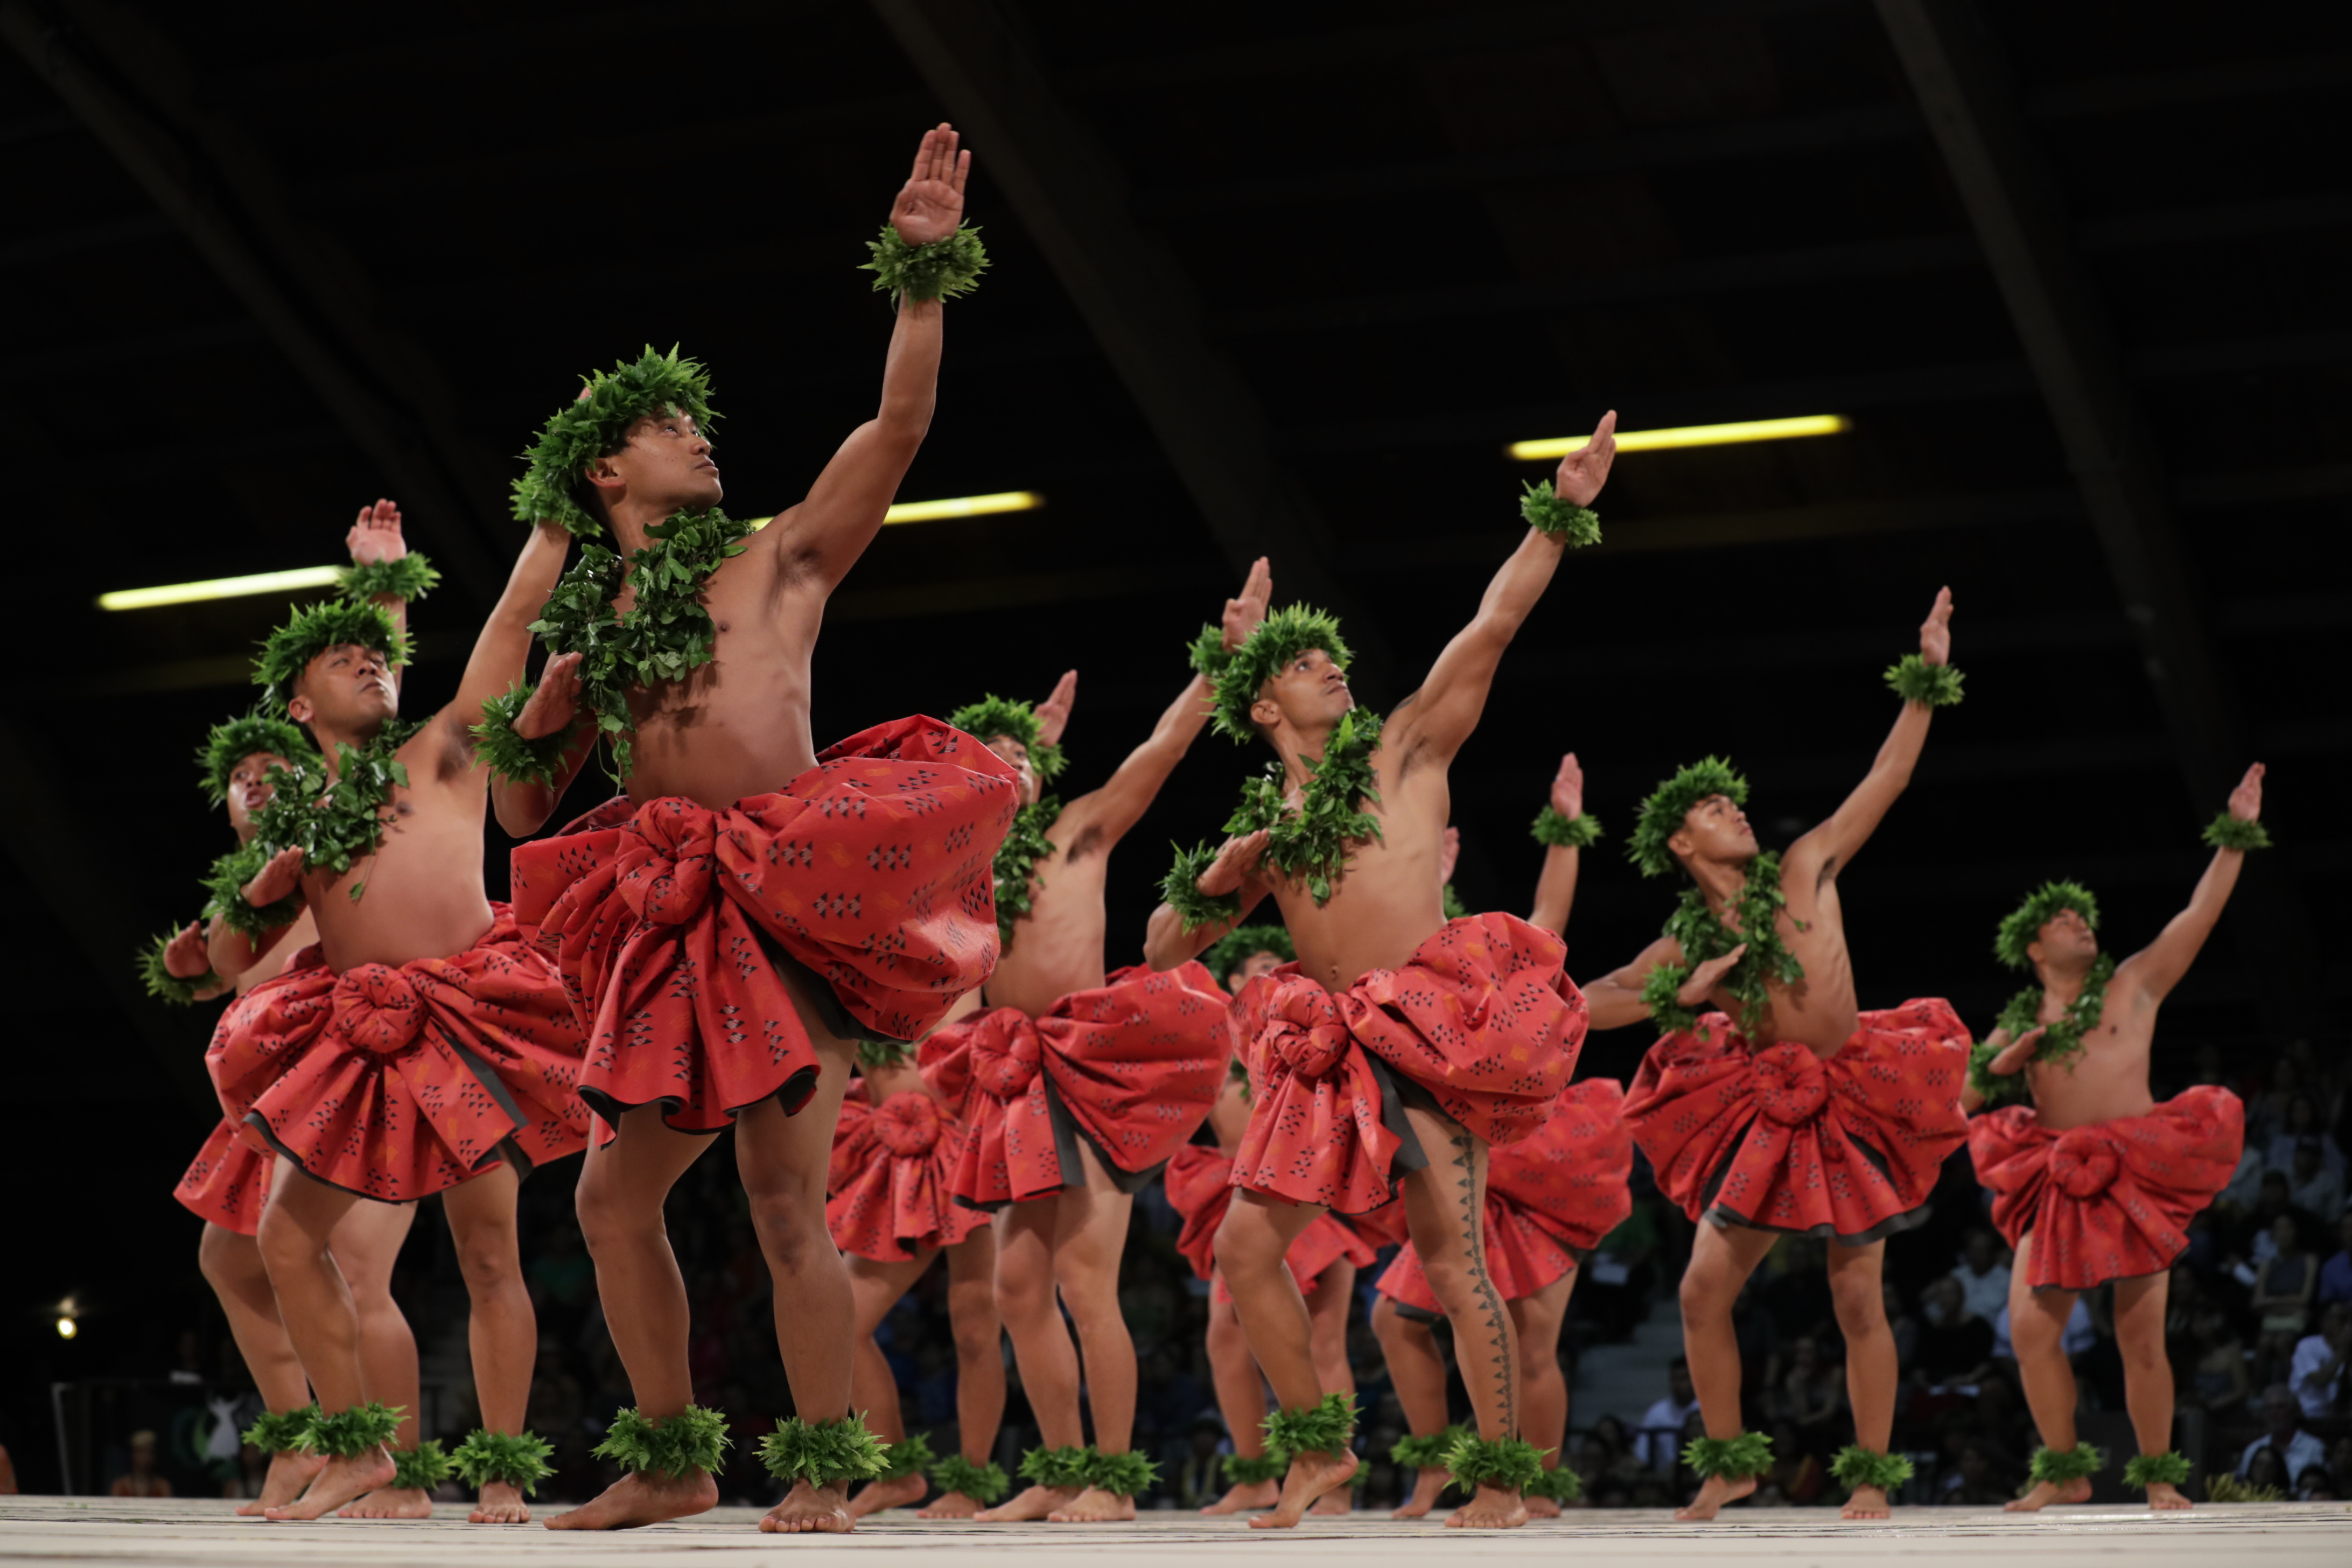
651, 386
994, 715
1238, 675
315, 628
1234, 949
2023, 927
1662, 814
246, 735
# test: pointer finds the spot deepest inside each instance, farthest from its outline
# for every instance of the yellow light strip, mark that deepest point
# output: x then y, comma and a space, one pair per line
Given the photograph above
1689, 435
955, 506
218, 588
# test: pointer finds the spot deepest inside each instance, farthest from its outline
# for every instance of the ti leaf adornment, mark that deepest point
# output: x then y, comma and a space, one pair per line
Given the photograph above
337, 823
1703, 935
1025, 845
1309, 845
942, 269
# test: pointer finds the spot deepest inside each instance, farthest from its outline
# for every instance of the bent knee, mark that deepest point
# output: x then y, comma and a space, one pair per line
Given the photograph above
1247, 1245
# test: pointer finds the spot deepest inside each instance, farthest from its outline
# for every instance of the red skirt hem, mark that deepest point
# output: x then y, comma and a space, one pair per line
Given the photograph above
227, 1183
1201, 1191
887, 1187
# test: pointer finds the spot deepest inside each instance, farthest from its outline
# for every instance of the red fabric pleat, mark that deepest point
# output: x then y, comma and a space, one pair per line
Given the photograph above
228, 1183
888, 1186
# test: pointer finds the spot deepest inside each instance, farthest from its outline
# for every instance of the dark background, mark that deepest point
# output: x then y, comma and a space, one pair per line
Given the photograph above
1268, 278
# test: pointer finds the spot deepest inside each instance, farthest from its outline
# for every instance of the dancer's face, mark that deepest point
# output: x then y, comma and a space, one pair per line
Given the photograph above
2066, 939
1714, 830
1309, 693
1265, 961
664, 461
348, 688
248, 789
1016, 757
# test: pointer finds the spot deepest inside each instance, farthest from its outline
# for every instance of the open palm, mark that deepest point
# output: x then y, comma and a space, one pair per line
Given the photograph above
931, 203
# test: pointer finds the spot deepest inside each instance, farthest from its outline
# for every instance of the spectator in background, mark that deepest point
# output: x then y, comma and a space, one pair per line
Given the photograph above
2336, 1274
2266, 1113
1956, 1345
2268, 1472
1659, 1443
2218, 1381
1812, 1394
2284, 1286
2303, 1122
2294, 1450
2311, 1185
1983, 1277
2317, 1373
142, 1480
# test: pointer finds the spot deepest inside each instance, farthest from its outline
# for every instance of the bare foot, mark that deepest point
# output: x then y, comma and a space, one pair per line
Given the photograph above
645, 1497
807, 1508
1867, 1503
1540, 1508
502, 1503
1492, 1508
390, 1503
1426, 1485
2045, 1493
2165, 1496
1094, 1506
951, 1505
875, 1496
290, 1472
1032, 1503
1713, 1493
1337, 1501
338, 1481
1242, 1498
1310, 1476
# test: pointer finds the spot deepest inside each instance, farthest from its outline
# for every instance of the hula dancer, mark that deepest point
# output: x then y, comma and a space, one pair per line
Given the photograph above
1550, 1200
1371, 1065
1077, 1085
2095, 1181
749, 909
420, 1047
1805, 1115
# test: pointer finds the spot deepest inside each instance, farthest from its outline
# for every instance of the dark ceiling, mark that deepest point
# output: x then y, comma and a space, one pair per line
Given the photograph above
1276, 277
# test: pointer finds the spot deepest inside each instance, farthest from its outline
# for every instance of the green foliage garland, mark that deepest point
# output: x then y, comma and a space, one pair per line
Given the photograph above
1255, 1470
1320, 1428
420, 1469
1556, 515
498, 747
1180, 890
1562, 1485
1509, 1463
1662, 814
1238, 675
943, 269
351, 1432
1451, 902
2227, 1487
287, 652
885, 1053
1990, 1087
1856, 1466
2023, 926
1207, 653
1733, 1458
281, 1431
228, 743
2144, 1470
1025, 845
1556, 832
1426, 1452
1061, 1470
1703, 937
343, 824
694, 1439
166, 986
2062, 1041
823, 1452
1930, 685
224, 893
518, 1458
993, 715
1310, 846
2227, 832
985, 1484
1125, 1475
2073, 1464
909, 1456
1237, 946
582, 431
408, 579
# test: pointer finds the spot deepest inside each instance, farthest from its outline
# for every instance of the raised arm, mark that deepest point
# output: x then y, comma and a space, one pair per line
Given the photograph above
503, 648
823, 537
375, 538
1166, 942
2156, 968
1556, 884
1829, 848
1440, 716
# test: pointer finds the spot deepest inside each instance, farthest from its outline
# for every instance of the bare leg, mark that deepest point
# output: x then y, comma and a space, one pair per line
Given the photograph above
1721, 1261
1041, 1345
1090, 1234
874, 1287
1240, 1397
233, 1267
619, 1202
979, 1332
502, 1331
1537, 1320
1327, 1309
2147, 1375
1417, 1369
2037, 1323
1860, 1301
316, 1307
366, 1245
1257, 1231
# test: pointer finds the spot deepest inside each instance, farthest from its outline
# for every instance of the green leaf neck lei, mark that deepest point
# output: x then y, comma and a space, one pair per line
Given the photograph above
1309, 845
2062, 1040
1016, 862
1703, 935
333, 823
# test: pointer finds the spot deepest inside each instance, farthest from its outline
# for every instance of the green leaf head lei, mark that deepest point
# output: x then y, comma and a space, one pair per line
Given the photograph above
1662, 814
247, 735
1238, 675
596, 425
993, 716
2023, 928
1242, 943
315, 628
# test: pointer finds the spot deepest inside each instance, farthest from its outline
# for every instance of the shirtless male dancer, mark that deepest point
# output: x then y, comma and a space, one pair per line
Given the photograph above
421, 1048
2095, 1183
1806, 1116
1370, 1069
1077, 1085
749, 909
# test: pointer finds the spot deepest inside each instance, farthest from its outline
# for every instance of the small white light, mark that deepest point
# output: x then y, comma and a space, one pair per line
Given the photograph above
67, 1327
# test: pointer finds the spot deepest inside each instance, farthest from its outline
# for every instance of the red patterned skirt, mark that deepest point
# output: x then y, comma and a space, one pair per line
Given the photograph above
1199, 1189
887, 1188
397, 1083
672, 922
227, 1185
1549, 1198
1481, 1022
2112, 1200
1132, 1067
1779, 1139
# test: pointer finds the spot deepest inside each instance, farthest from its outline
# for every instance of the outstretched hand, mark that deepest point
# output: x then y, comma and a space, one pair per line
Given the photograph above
1568, 788
1703, 978
1243, 614
2012, 1057
184, 957
376, 537
931, 203
553, 706
1234, 862
276, 880
1936, 631
1583, 471
2246, 800
1053, 713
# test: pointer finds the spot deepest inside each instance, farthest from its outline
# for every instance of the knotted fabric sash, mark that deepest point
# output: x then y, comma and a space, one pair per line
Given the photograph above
888, 1189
